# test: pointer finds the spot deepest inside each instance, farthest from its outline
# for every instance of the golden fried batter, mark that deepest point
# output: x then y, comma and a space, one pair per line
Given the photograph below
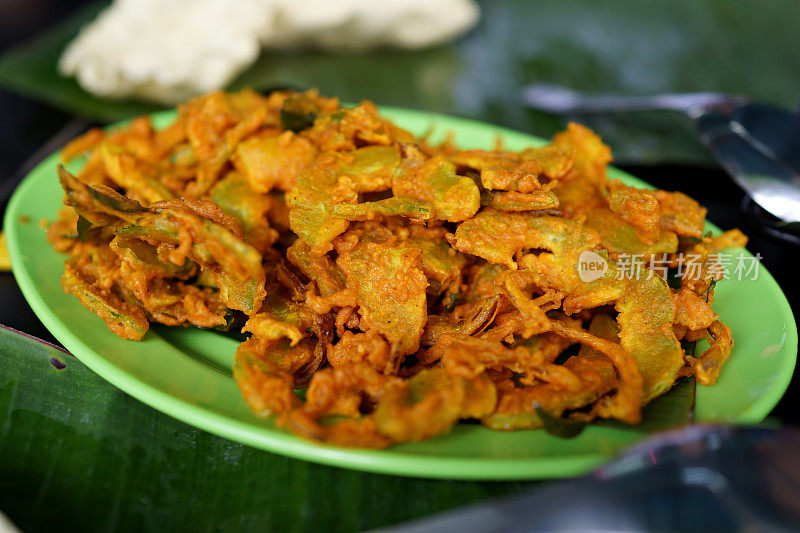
405, 286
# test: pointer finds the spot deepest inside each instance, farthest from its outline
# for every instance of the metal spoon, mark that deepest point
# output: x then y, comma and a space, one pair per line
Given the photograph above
758, 144
697, 478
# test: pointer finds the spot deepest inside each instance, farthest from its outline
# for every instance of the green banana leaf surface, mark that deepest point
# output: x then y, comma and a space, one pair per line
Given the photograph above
76, 450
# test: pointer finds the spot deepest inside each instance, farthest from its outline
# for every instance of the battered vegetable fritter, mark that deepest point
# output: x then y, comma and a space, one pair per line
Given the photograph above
404, 286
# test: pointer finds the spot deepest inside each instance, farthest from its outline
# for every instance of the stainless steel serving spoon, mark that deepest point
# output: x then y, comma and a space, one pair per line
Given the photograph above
758, 144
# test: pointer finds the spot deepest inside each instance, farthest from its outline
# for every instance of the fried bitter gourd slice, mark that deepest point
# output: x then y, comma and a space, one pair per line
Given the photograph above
378, 409
452, 197
283, 314
708, 365
424, 189
337, 406
397, 410
371, 168
265, 371
638, 207
498, 237
517, 201
470, 356
681, 214
287, 347
516, 407
620, 237
518, 182
325, 197
179, 229
383, 272
553, 270
273, 161
646, 314
467, 319
143, 258
694, 298
522, 172
644, 301
654, 215
162, 289
137, 177
235, 196
442, 265
579, 190
312, 201
431, 402
89, 276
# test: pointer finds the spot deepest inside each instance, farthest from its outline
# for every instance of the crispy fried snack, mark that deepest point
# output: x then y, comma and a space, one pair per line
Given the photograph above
404, 286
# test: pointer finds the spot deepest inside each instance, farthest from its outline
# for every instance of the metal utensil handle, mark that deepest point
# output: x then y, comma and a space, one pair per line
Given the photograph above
561, 100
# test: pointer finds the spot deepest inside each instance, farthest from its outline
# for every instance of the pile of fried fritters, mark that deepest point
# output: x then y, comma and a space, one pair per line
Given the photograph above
404, 285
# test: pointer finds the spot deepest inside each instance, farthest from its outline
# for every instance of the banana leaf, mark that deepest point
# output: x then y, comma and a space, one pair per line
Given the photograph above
608, 46
75, 450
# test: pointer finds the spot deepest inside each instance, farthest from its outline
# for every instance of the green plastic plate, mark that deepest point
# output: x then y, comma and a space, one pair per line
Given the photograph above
185, 372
